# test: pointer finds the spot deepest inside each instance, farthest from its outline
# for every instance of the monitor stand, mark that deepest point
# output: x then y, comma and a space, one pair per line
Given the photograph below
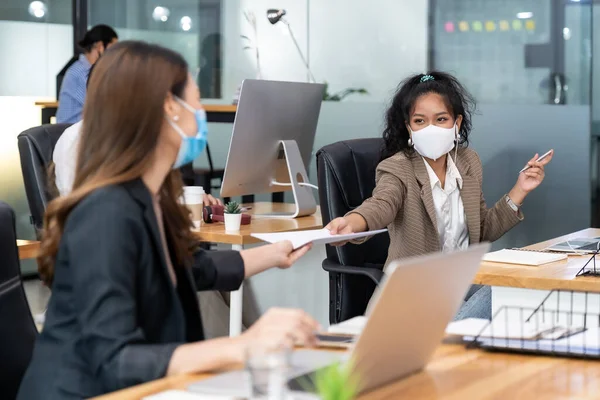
304, 199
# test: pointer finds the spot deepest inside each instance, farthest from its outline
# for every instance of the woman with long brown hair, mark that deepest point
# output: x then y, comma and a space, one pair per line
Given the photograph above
118, 252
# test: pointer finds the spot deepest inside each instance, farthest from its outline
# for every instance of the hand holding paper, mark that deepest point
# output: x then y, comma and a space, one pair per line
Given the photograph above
316, 236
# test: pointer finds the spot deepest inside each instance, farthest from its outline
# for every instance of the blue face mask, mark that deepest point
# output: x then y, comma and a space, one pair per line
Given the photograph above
191, 146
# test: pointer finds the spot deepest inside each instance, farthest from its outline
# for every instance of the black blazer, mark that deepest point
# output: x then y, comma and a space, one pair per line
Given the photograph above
114, 317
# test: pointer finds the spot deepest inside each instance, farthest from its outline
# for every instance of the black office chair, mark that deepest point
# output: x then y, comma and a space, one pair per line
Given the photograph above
36, 146
346, 174
17, 328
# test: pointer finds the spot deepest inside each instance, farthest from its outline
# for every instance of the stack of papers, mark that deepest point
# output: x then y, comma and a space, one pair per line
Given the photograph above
352, 326
523, 257
316, 236
511, 329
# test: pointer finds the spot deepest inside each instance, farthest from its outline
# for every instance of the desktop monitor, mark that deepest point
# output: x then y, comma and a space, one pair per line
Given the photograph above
272, 141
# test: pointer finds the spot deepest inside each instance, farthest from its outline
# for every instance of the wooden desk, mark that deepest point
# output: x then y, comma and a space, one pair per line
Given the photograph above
27, 249
558, 275
457, 373
224, 113
215, 233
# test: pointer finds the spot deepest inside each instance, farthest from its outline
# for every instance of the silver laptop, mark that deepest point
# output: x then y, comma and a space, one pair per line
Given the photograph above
578, 245
406, 323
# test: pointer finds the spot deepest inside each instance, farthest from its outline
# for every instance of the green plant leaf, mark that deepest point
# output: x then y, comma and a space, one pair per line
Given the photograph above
336, 383
232, 208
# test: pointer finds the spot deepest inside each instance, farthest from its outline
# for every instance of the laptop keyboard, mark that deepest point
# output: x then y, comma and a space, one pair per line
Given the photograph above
591, 246
305, 382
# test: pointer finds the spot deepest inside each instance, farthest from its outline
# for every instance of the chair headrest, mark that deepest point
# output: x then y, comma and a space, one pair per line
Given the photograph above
44, 138
352, 164
346, 172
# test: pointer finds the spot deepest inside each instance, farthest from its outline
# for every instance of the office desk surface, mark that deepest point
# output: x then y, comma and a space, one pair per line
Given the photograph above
215, 233
27, 248
207, 107
558, 275
457, 373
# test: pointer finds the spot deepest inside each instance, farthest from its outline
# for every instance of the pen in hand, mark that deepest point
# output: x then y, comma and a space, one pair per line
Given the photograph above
538, 160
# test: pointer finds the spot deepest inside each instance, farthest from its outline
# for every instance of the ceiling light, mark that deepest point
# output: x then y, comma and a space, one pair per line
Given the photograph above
161, 14
37, 9
524, 15
186, 23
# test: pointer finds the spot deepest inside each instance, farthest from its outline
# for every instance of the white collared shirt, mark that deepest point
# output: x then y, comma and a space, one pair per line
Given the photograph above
65, 157
449, 210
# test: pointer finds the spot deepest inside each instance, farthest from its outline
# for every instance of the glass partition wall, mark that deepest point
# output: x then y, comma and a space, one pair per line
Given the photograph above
529, 64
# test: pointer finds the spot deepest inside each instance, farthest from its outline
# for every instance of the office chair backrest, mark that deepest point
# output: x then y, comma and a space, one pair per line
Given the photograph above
346, 174
17, 328
36, 146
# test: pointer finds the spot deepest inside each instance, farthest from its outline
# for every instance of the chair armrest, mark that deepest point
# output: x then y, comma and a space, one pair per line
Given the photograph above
375, 274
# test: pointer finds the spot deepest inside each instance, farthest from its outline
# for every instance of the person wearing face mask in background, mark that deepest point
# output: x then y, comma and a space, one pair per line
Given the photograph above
118, 251
74, 85
429, 183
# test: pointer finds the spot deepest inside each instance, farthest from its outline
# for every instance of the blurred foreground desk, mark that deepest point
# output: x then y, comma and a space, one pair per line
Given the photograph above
558, 275
215, 233
27, 249
456, 373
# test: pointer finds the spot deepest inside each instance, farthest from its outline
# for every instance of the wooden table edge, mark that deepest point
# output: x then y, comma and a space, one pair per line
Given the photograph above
239, 239
208, 107
27, 249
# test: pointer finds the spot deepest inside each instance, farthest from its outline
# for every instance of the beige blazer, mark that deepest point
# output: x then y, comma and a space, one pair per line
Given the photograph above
402, 202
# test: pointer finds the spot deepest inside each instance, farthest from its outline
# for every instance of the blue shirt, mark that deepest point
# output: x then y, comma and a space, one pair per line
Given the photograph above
72, 91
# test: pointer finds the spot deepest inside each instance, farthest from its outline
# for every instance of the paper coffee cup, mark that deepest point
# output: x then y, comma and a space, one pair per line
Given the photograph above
193, 197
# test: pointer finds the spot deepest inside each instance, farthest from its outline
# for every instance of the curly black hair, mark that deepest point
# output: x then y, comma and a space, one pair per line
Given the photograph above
458, 100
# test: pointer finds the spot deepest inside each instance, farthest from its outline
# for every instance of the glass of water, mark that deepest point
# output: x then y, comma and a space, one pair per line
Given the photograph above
268, 368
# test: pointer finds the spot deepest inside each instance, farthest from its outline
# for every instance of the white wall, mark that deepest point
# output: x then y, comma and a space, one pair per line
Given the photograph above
348, 46
374, 45
32, 55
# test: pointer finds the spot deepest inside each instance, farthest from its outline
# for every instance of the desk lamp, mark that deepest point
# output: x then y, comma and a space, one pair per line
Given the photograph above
274, 16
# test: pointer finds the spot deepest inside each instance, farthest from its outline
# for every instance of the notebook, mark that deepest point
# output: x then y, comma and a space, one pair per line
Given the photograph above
523, 257
315, 236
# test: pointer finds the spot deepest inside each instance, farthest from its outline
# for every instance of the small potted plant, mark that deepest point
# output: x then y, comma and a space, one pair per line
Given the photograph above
336, 382
233, 216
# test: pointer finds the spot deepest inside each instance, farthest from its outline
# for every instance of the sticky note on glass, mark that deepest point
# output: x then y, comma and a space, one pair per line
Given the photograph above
490, 26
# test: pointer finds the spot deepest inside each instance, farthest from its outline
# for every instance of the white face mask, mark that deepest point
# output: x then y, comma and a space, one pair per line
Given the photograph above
434, 141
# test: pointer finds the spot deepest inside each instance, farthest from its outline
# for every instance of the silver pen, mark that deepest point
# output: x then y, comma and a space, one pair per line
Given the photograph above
539, 159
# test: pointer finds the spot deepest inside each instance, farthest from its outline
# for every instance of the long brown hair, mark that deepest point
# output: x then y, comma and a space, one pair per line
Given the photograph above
122, 120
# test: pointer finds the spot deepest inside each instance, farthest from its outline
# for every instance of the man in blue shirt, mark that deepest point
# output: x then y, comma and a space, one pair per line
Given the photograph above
73, 88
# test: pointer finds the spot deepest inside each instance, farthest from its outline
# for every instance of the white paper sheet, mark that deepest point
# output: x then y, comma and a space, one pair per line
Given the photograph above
316, 236
511, 329
352, 326
523, 257
183, 395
